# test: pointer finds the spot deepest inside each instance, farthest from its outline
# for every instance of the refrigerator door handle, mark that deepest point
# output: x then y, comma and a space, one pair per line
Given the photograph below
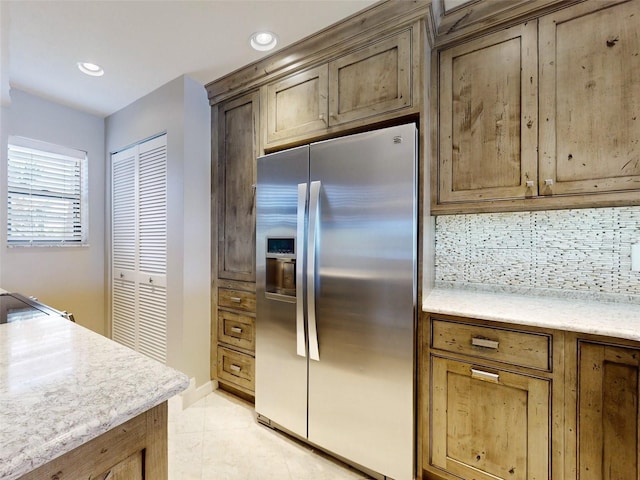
300, 240
314, 211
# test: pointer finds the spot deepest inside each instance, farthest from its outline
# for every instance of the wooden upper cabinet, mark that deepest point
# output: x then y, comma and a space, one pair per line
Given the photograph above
590, 98
608, 412
371, 81
488, 117
237, 122
297, 104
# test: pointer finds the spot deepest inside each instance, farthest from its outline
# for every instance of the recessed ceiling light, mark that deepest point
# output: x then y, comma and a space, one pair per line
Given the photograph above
263, 41
91, 69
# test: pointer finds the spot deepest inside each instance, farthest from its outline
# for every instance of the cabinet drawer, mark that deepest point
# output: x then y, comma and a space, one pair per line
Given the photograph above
236, 330
237, 299
236, 368
525, 349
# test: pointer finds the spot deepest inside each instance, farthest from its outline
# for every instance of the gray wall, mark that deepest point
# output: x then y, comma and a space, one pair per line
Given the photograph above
67, 278
181, 109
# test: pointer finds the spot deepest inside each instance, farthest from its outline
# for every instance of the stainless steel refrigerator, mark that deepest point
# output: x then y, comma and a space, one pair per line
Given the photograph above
336, 263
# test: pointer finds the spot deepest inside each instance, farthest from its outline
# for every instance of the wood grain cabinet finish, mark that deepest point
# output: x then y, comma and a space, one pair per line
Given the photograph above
371, 81
238, 146
374, 80
608, 425
543, 114
135, 450
236, 329
237, 299
237, 369
526, 349
297, 105
237, 123
234, 350
487, 423
129, 469
488, 117
492, 401
590, 98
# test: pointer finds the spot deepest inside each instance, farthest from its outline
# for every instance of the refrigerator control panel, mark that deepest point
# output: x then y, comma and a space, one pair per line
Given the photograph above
280, 246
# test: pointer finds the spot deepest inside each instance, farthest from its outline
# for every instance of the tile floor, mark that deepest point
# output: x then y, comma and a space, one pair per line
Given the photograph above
219, 438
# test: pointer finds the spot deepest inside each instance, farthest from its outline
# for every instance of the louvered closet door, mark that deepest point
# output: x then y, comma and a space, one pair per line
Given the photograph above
139, 248
152, 228
124, 235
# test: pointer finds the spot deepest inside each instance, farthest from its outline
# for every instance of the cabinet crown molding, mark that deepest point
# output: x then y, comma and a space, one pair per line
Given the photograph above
379, 20
456, 20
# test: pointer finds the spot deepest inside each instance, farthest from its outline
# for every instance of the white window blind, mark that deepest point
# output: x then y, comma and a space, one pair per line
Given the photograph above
46, 200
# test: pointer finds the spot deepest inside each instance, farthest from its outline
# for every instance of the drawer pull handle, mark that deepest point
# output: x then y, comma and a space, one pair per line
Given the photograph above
236, 329
235, 299
234, 368
483, 342
485, 376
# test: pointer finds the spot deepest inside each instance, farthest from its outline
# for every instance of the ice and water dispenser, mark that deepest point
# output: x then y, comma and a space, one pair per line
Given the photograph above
281, 267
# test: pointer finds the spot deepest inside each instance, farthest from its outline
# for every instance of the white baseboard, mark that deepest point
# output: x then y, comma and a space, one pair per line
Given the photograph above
192, 394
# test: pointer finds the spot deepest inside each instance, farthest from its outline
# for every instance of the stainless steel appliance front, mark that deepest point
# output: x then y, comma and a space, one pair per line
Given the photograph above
335, 363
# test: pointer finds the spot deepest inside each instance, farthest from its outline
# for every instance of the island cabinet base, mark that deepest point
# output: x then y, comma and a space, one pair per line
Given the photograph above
135, 450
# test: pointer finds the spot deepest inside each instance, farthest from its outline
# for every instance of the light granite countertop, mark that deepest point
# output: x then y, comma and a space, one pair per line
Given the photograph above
62, 385
620, 320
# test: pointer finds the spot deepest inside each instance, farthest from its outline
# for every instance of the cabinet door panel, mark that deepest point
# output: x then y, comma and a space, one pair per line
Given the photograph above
237, 153
297, 104
370, 81
129, 469
608, 414
488, 424
488, 116
590, 98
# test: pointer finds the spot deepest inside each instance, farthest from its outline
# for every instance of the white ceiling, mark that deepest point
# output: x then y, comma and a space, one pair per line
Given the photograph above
143, 44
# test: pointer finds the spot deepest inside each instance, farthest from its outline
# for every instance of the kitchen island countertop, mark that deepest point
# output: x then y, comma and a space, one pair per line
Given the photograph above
62, 385
620, 320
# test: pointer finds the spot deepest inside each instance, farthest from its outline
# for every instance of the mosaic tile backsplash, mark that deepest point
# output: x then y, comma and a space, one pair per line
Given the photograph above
558, 252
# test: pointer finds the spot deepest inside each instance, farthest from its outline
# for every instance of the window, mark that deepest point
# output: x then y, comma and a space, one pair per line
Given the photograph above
46, 197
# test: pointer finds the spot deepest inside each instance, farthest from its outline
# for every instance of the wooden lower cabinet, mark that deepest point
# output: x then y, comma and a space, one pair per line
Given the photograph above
487, 413
135, 450
605, 411
488, 423
492, 406
129, 469
236, 368
234, 350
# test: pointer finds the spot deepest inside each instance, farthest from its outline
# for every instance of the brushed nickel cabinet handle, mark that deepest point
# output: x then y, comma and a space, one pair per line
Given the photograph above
234, 368
485, 376
235, 299
485, 343
236, 329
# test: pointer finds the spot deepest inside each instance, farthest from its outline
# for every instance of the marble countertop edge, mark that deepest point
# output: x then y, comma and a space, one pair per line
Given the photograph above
84, 386
619, 320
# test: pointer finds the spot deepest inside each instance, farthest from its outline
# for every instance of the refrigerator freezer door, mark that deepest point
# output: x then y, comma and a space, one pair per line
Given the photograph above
361, 399
281, 373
